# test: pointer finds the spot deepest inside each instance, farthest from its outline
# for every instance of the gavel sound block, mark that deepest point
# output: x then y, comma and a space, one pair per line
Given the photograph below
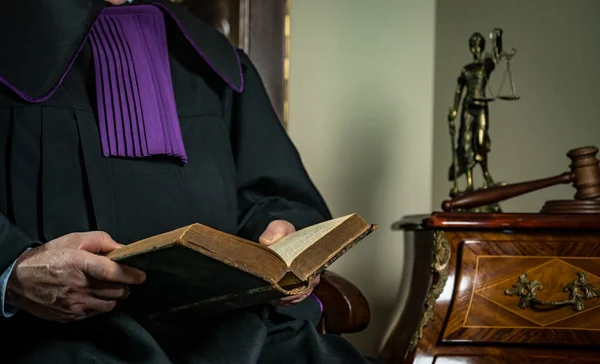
584, 174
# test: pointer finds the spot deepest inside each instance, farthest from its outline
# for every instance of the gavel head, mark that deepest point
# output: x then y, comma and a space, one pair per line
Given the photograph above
586, 172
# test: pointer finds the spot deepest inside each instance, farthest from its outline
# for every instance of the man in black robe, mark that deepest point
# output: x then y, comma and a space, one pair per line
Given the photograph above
119, 122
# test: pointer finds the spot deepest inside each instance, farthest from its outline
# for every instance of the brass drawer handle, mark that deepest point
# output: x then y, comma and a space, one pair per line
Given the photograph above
580, 290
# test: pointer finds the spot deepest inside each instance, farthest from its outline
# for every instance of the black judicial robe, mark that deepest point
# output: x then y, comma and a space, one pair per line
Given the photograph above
242, 173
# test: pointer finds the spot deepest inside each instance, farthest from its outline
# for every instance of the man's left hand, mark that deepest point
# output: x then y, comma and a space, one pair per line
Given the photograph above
276, 230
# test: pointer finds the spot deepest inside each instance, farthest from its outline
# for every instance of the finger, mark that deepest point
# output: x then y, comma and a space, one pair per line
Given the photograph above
45, 312
285, 300
315, 282
303, 297
295, 302
95, 306
98, 242
290, 299
292, 303
108, 291
276, 230
104, 269
298, 299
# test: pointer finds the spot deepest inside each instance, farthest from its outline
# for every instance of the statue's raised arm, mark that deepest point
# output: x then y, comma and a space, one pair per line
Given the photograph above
497, 49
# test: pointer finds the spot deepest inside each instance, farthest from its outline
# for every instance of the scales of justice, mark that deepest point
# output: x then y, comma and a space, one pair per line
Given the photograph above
472, 144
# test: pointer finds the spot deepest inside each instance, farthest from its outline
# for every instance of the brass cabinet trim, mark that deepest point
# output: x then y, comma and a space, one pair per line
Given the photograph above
439, 270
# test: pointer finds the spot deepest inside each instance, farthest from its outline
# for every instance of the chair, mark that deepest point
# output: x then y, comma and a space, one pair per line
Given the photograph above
345, 308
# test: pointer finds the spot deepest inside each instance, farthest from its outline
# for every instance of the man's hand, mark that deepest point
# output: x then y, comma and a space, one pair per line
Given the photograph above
65, 280
275, 231
116, 2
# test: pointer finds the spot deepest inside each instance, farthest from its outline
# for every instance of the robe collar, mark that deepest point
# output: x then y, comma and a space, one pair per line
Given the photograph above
40, 40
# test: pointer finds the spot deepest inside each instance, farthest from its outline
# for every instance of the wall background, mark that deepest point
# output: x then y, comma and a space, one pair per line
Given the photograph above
361, 112
370, 87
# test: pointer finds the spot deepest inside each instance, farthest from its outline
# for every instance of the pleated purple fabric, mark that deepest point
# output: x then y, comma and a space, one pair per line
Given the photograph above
136, 103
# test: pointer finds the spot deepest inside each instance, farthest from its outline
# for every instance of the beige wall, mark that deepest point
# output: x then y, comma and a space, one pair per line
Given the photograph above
361, 111
371, 83
556, 75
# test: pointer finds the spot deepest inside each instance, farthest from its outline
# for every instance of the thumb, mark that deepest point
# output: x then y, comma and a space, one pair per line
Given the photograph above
98, 242
276, 230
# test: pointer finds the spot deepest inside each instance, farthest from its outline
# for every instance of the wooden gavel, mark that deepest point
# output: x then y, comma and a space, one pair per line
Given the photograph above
584, 174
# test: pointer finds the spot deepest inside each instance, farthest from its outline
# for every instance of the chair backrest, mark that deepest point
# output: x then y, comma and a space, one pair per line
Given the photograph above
258, 27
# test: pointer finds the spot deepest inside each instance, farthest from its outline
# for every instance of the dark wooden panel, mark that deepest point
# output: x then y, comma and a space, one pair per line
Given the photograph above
264, 40
223, 15
257, 27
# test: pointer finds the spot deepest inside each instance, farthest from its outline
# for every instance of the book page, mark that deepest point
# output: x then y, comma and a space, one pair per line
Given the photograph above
289, 247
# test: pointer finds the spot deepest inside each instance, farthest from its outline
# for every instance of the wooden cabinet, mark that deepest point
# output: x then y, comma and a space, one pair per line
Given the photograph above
507, 288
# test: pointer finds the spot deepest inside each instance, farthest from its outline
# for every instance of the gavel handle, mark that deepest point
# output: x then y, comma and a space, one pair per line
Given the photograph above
500, 193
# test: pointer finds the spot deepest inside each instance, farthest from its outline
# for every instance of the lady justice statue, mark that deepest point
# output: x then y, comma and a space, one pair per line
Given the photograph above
473, 138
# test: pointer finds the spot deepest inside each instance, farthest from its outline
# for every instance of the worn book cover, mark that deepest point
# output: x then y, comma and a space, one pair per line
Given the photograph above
208, 271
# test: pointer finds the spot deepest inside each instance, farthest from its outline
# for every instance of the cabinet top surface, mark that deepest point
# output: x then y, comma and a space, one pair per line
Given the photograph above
510, 221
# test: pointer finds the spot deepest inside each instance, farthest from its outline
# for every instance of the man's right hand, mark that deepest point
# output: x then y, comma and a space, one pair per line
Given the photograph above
66, 280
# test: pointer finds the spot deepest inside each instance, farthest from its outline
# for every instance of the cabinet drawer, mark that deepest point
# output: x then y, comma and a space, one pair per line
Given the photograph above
525, 290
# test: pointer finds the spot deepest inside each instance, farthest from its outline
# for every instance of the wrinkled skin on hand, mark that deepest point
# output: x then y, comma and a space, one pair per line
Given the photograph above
67, 279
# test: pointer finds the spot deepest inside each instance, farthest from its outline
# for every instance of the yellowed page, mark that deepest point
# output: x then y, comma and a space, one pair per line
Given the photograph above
289, 247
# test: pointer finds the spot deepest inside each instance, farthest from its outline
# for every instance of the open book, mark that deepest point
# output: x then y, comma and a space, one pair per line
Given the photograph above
208, 271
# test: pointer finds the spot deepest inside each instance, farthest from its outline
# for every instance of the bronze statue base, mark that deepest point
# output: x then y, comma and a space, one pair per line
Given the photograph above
493, 208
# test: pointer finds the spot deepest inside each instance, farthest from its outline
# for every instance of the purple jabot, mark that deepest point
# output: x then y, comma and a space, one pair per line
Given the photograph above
136, 103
